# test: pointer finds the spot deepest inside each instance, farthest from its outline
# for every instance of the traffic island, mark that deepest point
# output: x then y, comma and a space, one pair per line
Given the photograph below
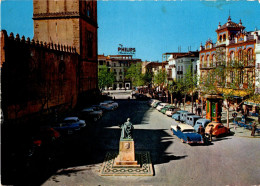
109, 167
127, 162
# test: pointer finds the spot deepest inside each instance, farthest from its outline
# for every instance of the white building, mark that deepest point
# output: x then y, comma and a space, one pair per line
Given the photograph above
179, 64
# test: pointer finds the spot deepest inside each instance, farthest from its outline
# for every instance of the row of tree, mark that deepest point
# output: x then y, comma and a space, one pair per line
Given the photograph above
213, 82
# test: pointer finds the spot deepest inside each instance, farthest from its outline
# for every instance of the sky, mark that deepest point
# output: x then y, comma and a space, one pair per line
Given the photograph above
152, 27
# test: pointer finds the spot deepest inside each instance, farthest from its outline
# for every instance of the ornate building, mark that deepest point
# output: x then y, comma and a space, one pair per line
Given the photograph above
235, 52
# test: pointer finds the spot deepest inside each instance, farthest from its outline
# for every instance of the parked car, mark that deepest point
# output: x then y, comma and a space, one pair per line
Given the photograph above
185, 115
106, 106
218, 129
113, 103
90, 114
191, 120
151, 101
172, 110
97, 108
186, 133
201, 122
70, 125
161, 105
165, 108
177, 115
155, 104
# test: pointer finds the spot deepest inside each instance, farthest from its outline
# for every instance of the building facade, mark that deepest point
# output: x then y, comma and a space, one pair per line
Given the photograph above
72, 23
237, 53
118, 64
55, 70
179, 64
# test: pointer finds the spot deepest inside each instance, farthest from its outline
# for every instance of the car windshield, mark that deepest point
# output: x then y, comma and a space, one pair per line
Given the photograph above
70, 121
187, 130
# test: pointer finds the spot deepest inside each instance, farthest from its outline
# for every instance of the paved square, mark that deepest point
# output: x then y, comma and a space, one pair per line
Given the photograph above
142, 157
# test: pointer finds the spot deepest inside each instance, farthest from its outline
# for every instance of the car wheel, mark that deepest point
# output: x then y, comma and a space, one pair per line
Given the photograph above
95, 119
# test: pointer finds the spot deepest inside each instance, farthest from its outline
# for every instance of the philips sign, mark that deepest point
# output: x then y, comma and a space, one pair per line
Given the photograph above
124, 50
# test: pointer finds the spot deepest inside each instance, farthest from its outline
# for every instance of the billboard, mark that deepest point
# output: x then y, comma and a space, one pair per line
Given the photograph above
126, 50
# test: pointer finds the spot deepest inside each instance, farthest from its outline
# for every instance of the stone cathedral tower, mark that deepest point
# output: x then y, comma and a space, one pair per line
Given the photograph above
72, 23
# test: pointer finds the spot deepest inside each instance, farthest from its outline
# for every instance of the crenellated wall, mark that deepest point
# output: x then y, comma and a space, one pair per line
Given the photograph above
37, 77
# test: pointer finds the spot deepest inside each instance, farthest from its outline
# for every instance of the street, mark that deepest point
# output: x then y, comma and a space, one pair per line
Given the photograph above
229, 160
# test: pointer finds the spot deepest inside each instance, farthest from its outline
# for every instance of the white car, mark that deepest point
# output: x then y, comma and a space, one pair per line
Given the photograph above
161, 105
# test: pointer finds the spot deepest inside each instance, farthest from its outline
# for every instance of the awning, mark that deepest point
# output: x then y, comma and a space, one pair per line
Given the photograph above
233, 93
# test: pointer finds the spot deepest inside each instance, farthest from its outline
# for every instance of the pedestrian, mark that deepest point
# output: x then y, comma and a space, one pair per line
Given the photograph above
201, 131
199, 111
253, 129
210, 133
175, 102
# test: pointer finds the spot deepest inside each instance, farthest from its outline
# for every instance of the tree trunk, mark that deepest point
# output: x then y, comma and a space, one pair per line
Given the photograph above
184, 101
201, 107
171, 99
192, 102
227, 114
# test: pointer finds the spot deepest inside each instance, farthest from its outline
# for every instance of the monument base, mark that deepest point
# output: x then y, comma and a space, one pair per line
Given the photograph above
143, 158
126, 156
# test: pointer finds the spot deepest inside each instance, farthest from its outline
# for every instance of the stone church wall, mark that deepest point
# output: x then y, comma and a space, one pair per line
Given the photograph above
37, 77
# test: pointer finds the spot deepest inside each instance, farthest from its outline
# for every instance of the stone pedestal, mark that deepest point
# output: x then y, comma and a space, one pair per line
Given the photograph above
126, 157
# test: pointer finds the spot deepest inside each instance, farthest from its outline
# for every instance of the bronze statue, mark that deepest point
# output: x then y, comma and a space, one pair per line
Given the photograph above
127, 130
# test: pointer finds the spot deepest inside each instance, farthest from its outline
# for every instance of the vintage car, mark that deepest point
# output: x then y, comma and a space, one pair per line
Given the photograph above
113, 103
191, 120
172, 110
155, 104
177, 115
218, 129
201, 122
106, 106
184, 116
90, 114
70, 125
186, 133
165, 108
161, 105
151, 101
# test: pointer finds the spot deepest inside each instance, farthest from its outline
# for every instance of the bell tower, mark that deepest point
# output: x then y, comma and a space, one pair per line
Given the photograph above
72, 23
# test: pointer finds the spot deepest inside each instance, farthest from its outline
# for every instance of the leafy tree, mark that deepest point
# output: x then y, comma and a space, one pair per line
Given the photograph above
147, 77
105, 77
134, 73
160, 78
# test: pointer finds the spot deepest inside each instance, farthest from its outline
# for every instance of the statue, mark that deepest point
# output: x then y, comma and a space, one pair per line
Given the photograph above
127, 130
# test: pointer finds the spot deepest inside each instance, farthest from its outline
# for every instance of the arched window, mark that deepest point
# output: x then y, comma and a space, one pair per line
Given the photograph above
231, 57
250, 57
214, 60
220, 38
240, 55
207, 58
202, 60
250, 54
224, 37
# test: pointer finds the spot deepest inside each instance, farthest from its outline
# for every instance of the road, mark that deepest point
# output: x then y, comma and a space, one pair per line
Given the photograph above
229, 160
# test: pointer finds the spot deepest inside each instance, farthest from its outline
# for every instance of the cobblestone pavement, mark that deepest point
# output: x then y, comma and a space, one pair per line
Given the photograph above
228, 160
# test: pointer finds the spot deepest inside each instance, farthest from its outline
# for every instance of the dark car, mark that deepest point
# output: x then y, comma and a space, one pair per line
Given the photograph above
89, 114
70, 125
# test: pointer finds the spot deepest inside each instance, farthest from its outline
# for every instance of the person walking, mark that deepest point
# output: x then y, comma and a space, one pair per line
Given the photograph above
210, 133
253, 129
